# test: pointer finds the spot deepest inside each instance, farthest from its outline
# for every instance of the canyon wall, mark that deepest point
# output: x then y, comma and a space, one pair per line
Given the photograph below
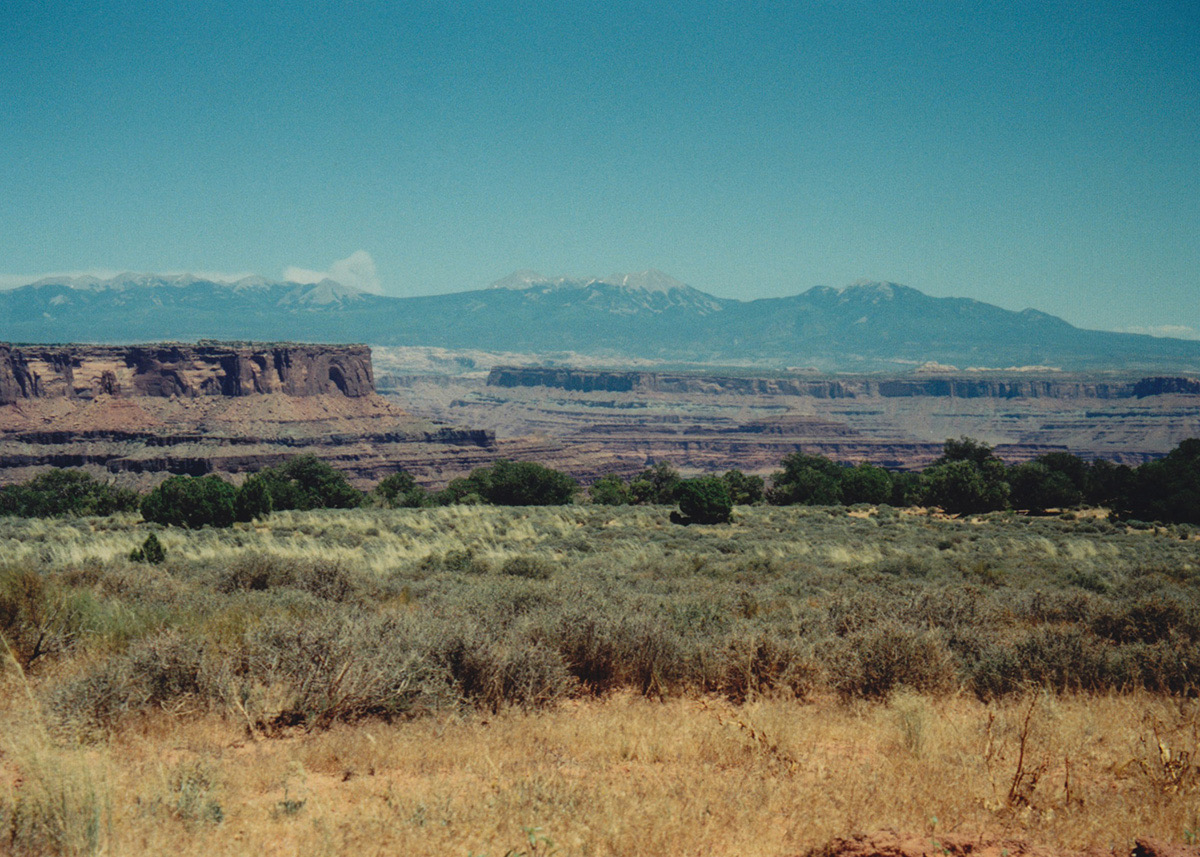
86, 372
585, 381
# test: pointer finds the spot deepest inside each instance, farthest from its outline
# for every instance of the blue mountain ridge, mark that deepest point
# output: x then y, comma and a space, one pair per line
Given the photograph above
862, 327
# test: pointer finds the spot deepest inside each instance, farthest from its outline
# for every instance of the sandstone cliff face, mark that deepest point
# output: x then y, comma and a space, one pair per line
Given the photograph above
187, 371
140, 413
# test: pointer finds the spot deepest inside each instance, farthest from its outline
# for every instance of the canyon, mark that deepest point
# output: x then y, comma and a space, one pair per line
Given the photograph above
701, 418
139, 413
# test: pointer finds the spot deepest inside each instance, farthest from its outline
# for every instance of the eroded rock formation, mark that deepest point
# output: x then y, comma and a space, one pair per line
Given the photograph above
187, 371
955, 387
145, 411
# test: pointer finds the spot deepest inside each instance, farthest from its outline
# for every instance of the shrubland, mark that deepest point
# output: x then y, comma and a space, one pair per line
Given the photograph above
591, 679
901, 649
415, 610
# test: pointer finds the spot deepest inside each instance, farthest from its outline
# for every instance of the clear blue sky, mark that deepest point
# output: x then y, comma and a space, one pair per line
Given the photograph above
1023, 153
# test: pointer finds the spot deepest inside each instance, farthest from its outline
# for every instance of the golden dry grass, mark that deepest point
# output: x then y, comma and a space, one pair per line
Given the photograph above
620, 776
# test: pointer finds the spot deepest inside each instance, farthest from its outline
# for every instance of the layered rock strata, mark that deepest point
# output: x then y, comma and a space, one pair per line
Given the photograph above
587, 381
165, 371
146, 411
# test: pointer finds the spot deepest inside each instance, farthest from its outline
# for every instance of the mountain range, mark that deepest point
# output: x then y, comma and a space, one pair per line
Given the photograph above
867, 326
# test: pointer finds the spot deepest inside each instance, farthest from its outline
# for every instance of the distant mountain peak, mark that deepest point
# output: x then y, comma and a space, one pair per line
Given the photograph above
522, 279
875, 288
650, 281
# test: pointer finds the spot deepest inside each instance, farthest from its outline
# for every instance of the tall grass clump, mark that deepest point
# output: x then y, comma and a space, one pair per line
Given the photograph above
57, 802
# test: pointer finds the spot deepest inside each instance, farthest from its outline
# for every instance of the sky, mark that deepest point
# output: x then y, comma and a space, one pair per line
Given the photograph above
1027, 154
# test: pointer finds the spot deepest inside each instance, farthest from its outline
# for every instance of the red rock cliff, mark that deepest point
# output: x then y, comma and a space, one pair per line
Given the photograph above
188, 371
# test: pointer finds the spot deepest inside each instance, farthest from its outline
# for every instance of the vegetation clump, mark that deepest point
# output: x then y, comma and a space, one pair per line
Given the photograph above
305, 482
512, 483
151, 551
401, 491
191, 502
704, 500
61, 493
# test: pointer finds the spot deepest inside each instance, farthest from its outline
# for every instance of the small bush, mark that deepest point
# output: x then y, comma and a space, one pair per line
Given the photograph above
532, 567
873, 663
38, 617
151, 551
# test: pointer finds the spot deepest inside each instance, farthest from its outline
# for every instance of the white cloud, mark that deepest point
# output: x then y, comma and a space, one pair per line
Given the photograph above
357, 271
1174, 331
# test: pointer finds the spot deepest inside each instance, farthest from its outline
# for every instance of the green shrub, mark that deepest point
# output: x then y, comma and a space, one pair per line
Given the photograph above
610, 490
253, 500
151, 551
60, 493
704, 500
657, 484
401, 491
512, 483
192, 502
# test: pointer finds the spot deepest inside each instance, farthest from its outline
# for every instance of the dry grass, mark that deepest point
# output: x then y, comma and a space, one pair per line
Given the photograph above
623, 776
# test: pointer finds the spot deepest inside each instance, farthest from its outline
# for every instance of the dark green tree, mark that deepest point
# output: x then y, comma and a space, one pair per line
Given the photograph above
306, 482
1107, 482
466, 490
656, 484
1073, 468
1166, 490
610, 490
962, 487
151, 551
744, 490
253, 500
908, 489
967, 479
809, 480
59, 493
866, 483
524, 483
511, 483
1036, 487
401, 491
703, 500
189, 501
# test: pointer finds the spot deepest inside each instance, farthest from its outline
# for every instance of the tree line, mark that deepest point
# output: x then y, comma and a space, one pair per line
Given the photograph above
968, 478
